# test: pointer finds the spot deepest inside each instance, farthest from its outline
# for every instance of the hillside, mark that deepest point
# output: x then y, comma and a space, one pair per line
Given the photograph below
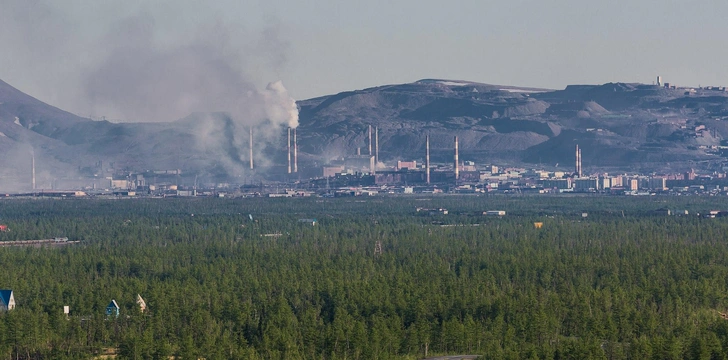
625, 126
618, 125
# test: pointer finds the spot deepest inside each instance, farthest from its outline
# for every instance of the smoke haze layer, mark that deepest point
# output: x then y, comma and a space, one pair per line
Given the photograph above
134, 69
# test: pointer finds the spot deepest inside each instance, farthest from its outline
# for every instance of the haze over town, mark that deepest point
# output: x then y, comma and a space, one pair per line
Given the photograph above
243, 93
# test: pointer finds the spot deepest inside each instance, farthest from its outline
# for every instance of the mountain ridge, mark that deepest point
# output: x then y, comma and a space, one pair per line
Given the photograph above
624, 126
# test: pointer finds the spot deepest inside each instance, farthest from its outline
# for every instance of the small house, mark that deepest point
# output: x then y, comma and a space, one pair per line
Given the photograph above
7, 300
142, 304
112, 309
3, 228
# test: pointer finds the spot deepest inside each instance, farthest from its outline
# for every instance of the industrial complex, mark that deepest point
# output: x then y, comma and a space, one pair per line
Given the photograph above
365, 174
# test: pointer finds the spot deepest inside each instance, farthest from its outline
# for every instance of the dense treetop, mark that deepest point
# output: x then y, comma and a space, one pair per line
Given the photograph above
625, 282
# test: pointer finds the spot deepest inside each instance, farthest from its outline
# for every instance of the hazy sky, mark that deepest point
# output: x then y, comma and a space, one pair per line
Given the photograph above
49, 48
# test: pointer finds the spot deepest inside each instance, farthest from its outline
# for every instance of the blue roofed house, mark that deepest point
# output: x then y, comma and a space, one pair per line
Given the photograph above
7, 300
112, 309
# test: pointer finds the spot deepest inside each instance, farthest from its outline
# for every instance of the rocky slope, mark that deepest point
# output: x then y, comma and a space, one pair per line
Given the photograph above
624, 126
618, 126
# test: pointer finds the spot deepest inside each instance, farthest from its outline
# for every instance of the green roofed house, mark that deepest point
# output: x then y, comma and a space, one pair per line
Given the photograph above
7, 300
112, 309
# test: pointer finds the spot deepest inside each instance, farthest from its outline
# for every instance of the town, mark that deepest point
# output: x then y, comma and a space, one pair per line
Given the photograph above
366, 175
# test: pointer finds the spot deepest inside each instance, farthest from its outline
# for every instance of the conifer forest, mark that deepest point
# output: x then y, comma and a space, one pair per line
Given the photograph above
382, 277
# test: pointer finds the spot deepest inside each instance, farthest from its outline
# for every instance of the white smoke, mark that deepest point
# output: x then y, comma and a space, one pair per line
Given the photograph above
136, 70
141, 81
279, 106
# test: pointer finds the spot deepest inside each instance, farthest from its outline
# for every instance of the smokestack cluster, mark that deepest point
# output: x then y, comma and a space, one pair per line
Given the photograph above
370, 140
578, 162
251, 148
295, 151
376, 146
457, 169
427, 158
289, 150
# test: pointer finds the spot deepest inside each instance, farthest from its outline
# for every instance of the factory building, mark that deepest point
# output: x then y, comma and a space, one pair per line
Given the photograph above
586, 184
409, 165
330, 171
605, 182
616, 181
468, 166
399, 177
657, 183
561, 184
359, 163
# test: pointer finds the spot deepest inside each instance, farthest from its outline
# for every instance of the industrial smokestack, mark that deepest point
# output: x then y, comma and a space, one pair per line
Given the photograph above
457, 170
577, 164
32, 165
289, 150
370, 140
295, 151
251, 148
427, 158
376, 146
580, 170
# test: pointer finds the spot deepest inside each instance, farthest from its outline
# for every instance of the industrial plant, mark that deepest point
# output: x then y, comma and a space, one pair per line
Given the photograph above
447, 137
365, 174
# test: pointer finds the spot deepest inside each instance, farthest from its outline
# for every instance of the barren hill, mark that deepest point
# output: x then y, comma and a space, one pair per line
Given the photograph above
618, 125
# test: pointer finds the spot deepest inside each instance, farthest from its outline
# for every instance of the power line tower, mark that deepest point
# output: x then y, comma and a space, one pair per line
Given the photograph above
378, 248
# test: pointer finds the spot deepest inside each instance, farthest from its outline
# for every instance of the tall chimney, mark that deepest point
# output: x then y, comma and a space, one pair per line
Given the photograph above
251, 148
457, 169
580, 170
295, 151
376, 146
32, 164
577, 166
289, 150
358, 151
370, 140
427, 158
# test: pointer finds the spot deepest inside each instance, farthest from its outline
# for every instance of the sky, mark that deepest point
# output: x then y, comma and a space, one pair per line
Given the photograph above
80, 55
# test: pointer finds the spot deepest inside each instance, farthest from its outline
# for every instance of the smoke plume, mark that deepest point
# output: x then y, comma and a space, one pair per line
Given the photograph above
137, 70
142, 81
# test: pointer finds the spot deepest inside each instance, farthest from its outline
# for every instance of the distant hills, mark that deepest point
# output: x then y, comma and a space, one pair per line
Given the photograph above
618, 125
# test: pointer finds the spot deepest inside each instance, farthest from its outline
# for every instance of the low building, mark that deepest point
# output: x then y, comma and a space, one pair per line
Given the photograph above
7, 300
360, 163
410, 165
112, 309
658, 183
495, 213
634, 184
560, 184
120, 183
311, 222
468, 166
142, 304
331, 171
586, 184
